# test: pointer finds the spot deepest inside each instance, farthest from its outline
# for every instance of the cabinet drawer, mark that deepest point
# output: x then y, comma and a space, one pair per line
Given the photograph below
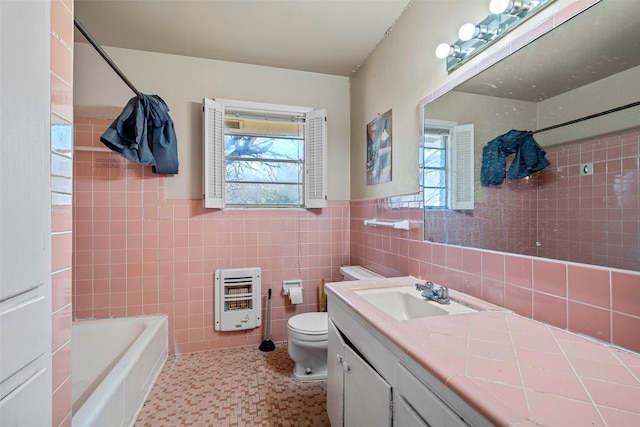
21, 406
426, 403
25, 344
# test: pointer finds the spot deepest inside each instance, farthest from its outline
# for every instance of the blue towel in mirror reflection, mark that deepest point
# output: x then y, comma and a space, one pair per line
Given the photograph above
529, 157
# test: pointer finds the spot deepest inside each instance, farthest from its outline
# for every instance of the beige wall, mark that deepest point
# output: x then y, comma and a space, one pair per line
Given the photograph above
183, 81
490, 117
611, 92
494, 116
396, 76
404, 69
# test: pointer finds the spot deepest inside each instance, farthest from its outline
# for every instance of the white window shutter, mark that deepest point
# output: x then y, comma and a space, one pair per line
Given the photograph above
462, 174
213, 144
315, 159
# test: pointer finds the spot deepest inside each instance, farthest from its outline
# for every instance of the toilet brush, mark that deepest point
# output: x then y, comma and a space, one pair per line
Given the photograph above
267, 344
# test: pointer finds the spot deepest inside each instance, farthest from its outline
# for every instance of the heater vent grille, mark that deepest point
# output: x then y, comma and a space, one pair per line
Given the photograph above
237, 305
237, 299
237, 290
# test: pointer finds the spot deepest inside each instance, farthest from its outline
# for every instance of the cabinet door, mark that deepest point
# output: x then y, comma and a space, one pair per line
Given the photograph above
367, 396
424, 401
335, 376
404, 415
25, 214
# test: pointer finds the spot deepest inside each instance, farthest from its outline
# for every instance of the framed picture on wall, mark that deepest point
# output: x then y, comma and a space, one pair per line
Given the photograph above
379, 149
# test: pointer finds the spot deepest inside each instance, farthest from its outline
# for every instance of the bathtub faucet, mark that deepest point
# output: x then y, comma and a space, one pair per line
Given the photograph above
437, 293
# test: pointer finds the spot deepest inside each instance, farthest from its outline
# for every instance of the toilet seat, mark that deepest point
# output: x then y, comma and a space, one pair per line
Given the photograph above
309, 326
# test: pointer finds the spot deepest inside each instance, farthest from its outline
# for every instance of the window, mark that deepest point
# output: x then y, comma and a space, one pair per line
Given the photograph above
447, 165
263, 155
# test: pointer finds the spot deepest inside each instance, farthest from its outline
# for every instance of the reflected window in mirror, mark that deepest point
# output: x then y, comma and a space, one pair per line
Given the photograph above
447, 165
561, 212
435, 167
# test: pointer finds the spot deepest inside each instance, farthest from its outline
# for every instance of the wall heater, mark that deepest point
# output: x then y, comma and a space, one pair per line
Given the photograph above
238, 297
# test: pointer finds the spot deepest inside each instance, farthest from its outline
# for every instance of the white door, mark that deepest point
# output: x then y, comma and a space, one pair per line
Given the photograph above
335, 376
404, 415
367, 395
25, 214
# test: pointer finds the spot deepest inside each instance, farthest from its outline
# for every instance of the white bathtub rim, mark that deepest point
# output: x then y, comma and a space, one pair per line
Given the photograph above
89, 384
88, 412
157, 371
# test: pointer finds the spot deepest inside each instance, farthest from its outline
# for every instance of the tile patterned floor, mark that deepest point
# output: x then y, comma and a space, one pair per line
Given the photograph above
233, 387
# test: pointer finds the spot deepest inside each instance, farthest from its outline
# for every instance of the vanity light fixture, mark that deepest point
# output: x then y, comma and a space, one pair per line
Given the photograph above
498, 6
469, 31
445, 50
512, 7
504, 16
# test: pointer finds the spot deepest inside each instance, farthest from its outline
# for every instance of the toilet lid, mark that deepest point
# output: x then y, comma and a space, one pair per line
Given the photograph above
310, 323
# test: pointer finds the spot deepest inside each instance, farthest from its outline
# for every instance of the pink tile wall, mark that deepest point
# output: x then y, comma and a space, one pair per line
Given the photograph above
588, 219
604, 224
514, 232
135, 252
138, 253
61, 43
597, 301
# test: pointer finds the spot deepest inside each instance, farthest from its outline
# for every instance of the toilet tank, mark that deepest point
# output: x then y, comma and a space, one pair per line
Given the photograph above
356, 272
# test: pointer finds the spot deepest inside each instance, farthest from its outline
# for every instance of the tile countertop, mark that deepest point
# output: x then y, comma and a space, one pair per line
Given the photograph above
513, 370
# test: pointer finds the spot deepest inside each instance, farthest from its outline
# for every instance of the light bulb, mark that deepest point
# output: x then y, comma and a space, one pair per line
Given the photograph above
498, 6
442, 51
467, 31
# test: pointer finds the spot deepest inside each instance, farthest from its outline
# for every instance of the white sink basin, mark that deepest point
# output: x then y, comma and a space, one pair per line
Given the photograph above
405, 302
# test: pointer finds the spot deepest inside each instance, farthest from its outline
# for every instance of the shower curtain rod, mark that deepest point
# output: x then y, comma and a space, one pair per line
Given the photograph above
592, 116
104, 55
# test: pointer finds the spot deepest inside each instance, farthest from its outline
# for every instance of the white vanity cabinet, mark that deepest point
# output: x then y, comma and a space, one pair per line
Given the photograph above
419, 405
356, 394
404, 415
372, 382
335, 377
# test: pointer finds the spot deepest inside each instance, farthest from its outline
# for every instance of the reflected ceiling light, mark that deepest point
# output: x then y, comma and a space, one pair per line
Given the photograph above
473, 38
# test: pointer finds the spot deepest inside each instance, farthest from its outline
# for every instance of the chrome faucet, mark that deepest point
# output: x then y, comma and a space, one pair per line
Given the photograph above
437, 293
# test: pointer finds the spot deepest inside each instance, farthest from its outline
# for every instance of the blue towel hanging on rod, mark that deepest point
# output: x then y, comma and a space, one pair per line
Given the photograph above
144, 134
529, 157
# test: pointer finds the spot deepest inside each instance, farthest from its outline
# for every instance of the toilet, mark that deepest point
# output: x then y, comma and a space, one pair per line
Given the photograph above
307, 335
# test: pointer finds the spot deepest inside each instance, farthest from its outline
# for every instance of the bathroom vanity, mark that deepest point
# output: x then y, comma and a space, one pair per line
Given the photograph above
481, 367
372, 381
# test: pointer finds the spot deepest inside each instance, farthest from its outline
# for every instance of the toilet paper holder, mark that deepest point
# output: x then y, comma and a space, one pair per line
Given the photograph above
288, 284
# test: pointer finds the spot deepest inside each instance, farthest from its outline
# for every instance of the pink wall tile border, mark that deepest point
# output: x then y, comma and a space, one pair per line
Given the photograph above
591, 300
61, 67
138, 253
550, 277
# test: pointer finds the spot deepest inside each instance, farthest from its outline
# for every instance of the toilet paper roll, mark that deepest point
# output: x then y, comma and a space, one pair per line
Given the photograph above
295, 295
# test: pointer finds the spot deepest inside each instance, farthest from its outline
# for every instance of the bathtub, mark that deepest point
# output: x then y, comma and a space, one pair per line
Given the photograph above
114, 365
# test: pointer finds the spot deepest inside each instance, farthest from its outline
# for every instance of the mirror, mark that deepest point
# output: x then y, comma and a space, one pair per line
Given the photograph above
585, 206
